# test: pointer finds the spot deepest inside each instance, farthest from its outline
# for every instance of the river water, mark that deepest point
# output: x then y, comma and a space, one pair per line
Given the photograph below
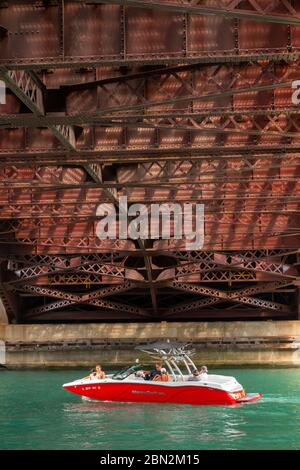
36, 413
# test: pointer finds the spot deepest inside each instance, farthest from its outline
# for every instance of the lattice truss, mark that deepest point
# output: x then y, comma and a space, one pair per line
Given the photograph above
188, 101
38, 276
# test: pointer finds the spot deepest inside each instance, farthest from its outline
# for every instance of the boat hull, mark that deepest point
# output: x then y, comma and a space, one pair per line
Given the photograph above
159, 393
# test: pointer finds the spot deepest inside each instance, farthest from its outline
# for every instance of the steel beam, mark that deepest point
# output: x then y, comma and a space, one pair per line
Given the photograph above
264, 185
259, 12
155, 172
209, 262
275, 126
65, 134
111, 270
181, 118
29, 158
146, 153
92, 244
242, 296
232, 258
228, 277
194, 170
44, 291
196, 310
204, 187
85, 299
30, 90
27, 87
213, 261
181, 45
16, 262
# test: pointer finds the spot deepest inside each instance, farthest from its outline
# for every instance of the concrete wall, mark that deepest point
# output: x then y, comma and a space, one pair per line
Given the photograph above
145, 331
120, 357
285, 353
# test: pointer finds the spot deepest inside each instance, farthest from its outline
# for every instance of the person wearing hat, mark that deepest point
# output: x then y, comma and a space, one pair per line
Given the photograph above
199, 374
203, 372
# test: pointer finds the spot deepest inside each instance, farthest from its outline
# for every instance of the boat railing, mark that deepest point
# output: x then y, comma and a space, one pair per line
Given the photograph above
173, 358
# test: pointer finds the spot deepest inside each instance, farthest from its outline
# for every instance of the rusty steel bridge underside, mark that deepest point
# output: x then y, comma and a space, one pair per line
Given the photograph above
161, 101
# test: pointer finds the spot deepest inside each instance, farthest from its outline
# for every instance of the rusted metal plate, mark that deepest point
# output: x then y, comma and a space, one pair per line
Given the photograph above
257, 36
32, 31
210, 33
11, 106
91, 30
153, 32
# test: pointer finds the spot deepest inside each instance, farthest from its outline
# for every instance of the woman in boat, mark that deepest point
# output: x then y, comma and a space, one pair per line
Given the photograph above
163, 377
96, 373
99, 373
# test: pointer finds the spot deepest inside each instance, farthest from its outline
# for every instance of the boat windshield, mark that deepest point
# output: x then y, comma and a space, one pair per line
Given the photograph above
122, 374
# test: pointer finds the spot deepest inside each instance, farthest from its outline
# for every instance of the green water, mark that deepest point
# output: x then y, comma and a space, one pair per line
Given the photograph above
36, 413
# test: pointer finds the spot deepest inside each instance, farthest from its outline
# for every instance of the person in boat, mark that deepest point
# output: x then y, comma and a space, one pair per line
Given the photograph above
99, 373
199, 374
203, 372
96, 373
140, 374
156, 372
163, 377
91, 374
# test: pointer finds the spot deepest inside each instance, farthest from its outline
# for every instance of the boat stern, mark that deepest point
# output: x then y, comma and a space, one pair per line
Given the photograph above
249, 397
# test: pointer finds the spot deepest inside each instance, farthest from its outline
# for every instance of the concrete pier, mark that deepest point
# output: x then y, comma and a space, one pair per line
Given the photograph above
265, 343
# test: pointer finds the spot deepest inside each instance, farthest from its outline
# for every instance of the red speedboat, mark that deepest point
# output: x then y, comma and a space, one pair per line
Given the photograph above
129, 385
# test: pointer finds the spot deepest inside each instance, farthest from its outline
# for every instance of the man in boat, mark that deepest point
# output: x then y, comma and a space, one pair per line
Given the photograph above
199, 374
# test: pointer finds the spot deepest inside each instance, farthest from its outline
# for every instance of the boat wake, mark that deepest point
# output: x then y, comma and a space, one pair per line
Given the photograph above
292, 400
90, 399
